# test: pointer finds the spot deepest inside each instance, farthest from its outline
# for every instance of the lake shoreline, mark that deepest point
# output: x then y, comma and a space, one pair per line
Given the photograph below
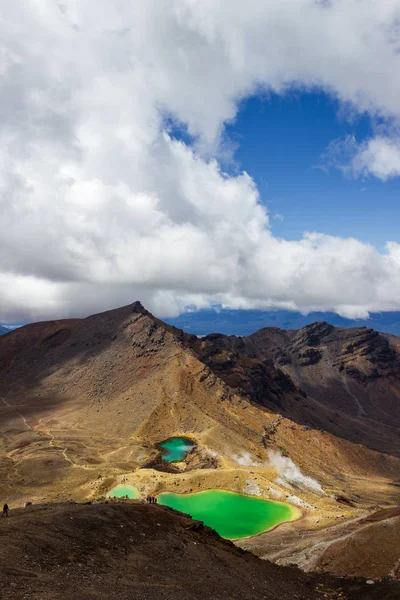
221, 522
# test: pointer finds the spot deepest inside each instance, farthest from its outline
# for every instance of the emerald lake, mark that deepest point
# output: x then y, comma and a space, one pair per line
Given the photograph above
175, 449
123, 491
233, 516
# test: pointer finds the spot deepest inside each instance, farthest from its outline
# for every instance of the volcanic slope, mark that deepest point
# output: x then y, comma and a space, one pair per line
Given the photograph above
132, 551
349, 379
85, 402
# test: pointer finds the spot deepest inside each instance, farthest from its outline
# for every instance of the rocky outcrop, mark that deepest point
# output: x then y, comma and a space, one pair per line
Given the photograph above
311, 335
235, 360
371, 346
309, 356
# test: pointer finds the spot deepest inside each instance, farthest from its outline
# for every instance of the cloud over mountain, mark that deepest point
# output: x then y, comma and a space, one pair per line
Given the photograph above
101, 204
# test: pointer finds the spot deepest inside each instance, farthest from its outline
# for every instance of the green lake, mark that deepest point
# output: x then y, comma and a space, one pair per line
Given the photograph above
175, 449
121, 491
233, 516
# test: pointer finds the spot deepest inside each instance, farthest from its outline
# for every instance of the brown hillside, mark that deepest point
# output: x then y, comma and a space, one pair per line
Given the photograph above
136, 551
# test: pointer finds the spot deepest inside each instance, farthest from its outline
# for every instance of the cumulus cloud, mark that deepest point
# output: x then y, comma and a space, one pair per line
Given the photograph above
100, 204
378, 156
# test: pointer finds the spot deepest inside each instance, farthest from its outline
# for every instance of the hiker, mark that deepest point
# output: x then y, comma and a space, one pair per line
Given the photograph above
5, 511
155, 500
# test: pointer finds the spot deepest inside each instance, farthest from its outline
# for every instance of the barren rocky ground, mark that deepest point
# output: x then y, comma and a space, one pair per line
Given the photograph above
128, 551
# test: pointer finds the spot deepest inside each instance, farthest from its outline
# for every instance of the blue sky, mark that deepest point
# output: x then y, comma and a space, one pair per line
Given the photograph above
281, 141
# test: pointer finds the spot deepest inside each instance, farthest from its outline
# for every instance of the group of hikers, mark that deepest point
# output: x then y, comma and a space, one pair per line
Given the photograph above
149, 500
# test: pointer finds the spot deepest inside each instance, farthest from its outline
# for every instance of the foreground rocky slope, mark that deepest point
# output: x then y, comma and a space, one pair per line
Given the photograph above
85, 402
129, 551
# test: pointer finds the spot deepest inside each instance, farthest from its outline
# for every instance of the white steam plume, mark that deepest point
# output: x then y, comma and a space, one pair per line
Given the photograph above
289, 473
245, 459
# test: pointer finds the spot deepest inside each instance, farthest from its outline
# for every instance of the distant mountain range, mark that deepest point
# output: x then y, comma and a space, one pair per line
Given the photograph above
246, 322
9, 327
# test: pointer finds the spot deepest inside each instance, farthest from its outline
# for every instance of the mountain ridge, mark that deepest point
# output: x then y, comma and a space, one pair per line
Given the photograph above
358, 363
84, 404
245, 322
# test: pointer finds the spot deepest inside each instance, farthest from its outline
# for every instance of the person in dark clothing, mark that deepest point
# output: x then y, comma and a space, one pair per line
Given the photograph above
5, 511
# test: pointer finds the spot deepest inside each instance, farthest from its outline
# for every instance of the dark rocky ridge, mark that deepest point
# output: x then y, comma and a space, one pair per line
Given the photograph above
236, 361
345, 381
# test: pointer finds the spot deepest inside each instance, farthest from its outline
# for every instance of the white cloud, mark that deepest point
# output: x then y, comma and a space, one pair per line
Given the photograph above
378, 156
100, 206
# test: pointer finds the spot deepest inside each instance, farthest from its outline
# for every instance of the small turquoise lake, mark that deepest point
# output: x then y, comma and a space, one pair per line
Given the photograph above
233, 516
175, 449
123, 491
